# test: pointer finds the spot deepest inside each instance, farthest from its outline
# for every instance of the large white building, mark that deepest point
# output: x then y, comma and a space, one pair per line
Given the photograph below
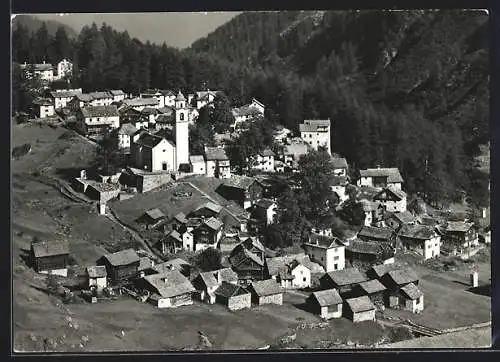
380, 177
316, 133
327, 251
44, 71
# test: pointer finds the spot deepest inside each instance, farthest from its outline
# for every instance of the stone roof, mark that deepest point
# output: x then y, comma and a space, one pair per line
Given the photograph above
266, 287
267, 152
229, 290
180, 97
170, 283
314, 125
196, 159
346, 276
123, 257
372, 286
116, 92
155, 214
246, 110
226, 274
149, 140
421, 232
42, 102
339, 162
127, 129
38, 67
327, 297
382, 269
211, 206
323, 241
53, 248
100, 111
411, 291
174, 234
376, 233
404, 217
215, 153
139, 102
458, 226
100, 95
66, 93
97, 271
265, 203
239, 182
360, 304
402, 276
365, 247
213, 223
84, 97
145, 263
208, 279
392, 174
368, 205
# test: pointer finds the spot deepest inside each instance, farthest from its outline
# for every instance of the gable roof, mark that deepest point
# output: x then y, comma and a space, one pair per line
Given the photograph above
97, 271
246, 110
322, 241
402, 276
174, 234
382, 269
458, 226
215, 154
266, 287
327, 297
100, 95
239, 182
226, 274
421, 232
100, 111
181, 217
392, 174
211, 206
404, 217
196, 159
139, 102
42, 102
411, 291
149, 110
372, 286
123, 257
365, 247
213, 223
208, 279
399, 194
145, 263
346, 276
265, 203
229, 290
339, 162
44, 248
149, 140
66, 93
315, 125
376, 233
84, 97
127, 129
116, 92
267, 152
169, 283
360, 304
155, 214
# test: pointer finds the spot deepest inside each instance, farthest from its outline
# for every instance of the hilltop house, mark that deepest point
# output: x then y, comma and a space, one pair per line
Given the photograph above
380, 177
244, 190
316, 133
326, 303
62, 97
378, 234
50, 257
421, 239
217, 163
121, 265
44, 71
329, 252
392, 199
125, 133
343, 280
97, 121
43, 108
359, 309
169, 289
266, 292
263, 161
96, 277
364, 254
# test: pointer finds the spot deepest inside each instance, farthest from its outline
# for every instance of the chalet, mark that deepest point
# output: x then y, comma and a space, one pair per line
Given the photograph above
207, 210
380, 177
169, 289
152, 217
266, 292
97, 121
242, 189
153, 153
293, 152
378, 271
339, 187
316, 133
392, 199
398, 278
264, 210
206, 283
44, 71
176, 241
62, 97
247, 259
125, 133
379, 234
374, 290
396, 220
359, 309
364, 254
217, 162
178, 221
326, 303
343, 280
50, 257
420, 239
96, 277
408, 297
43, 108
233, 296
329, 252
263, 161
101, 98
339, 166
460, 234
226, 275
121, 265
292, 271
208, 234
117, 94
198, 166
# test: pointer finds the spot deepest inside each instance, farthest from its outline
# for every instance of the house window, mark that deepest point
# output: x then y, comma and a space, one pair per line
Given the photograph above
336, 257
419, 300
164, 166
182, 116
304, 279
321, 258
335, 266
164, 150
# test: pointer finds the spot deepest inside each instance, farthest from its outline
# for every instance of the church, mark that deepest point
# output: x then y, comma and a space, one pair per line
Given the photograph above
156, 153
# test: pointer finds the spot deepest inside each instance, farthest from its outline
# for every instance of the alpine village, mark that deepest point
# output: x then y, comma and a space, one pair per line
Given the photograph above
293, 180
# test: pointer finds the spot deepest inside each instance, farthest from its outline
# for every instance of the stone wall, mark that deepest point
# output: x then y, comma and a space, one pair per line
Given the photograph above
240, 301
149, 182
272, 299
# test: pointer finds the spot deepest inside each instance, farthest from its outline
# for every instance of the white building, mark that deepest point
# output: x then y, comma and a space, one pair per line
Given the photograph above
265, 209
97, 277
44, 107
339, 186
380, 177
316, 133
217, 162
246, 113
329, 252
181, 130
204, 98
339, 166
44, 71
101, 98
293, 152
118, 95
198, 165
421, 239
62, 97
96, 121
301, 275
392, 199
263, 161
125, 134
64, 69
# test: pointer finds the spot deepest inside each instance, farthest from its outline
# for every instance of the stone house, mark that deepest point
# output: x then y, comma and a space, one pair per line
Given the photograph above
206, 284
176, 241
198, 165
293, 152
247, 259
44, 71
408, 297
326, 303
316, 133
125, 134
153, 153
117, 94
63, 97
380, 177
292, 271
233, 296
169, 289
101, 98
343, 280
373, 211
339, 166
395, 220
460, 234
421, 239
395, 279
43, 108
359, 309
364, 254
339, 186
206, 210
121, 265
64, 69
218, 164
266, 292
97, 277
97, 121
264, 210
50, 257
374, 290
329, 252
263, 161
244, 190
378, 234
392, 199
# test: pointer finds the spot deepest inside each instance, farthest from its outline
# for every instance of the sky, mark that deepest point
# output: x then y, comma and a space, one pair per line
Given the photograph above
175, 29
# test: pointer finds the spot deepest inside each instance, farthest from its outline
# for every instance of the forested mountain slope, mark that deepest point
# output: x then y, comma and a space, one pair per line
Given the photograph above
32, 24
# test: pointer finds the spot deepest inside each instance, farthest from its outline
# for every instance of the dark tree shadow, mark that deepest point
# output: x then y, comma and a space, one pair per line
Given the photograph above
302, 306
26, 258
461, 283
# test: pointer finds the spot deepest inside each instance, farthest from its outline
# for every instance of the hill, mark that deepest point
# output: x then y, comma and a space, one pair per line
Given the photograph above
33, 24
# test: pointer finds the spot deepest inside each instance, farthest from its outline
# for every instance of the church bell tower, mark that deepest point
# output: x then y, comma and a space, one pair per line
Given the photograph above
181, 130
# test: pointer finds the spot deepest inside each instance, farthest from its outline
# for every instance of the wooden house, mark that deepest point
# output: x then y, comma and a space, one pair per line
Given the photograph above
398, 278
206, 210
396, 220
178, 221
292, 271
152, 217
364, 254
247, 259
460, 234
325, 303
168, 289
206, 283
266, 292
176, 241
121, 265
342, 280
50, 257
208, 234
359, 309
378, 271
392, 199
379, 234
421, 239
233, 296
408, 298
96, 277
243, 190
374, 290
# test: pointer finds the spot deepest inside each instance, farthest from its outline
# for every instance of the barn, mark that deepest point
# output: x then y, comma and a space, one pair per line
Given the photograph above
408, 298
374, 290
359, 309
121, 265
50, 257
326, 303
233, 296
342, 280
266, 292
167, 290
